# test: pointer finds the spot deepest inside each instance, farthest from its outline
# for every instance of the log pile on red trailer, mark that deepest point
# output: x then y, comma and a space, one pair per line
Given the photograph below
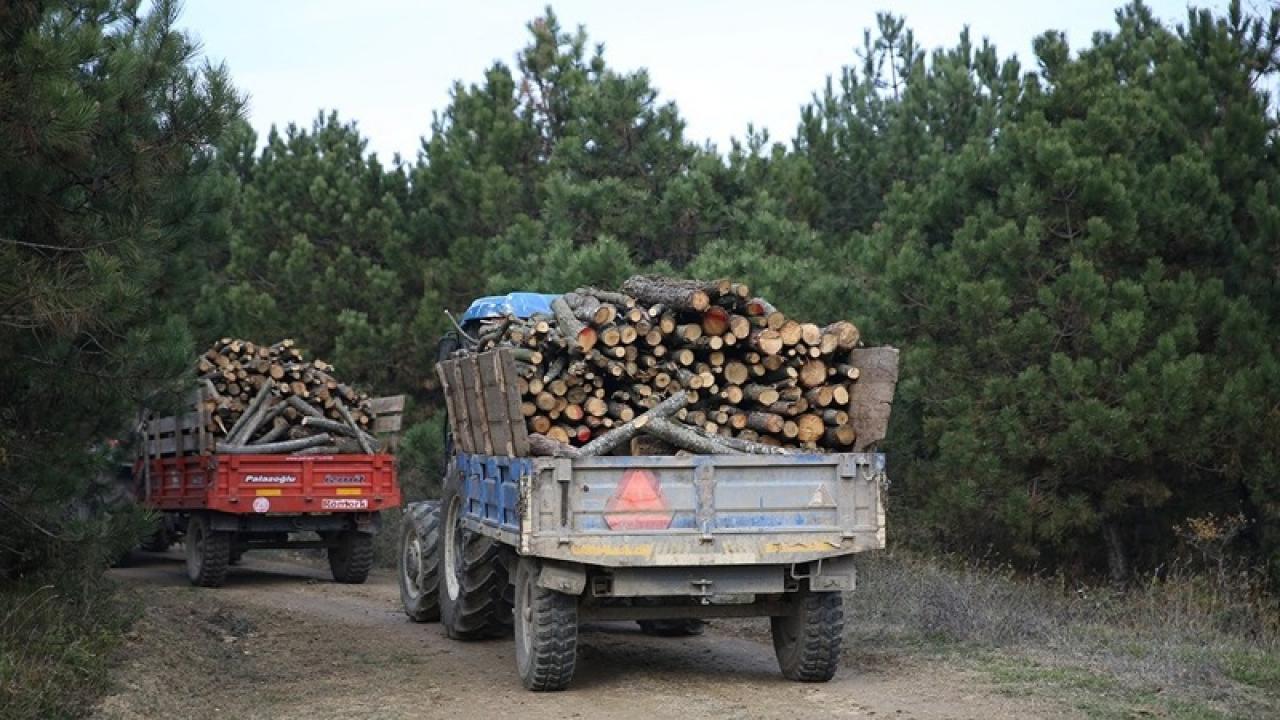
270, 399
273, 447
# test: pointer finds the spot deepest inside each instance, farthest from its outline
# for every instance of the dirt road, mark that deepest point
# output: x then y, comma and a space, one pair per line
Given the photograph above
283, 641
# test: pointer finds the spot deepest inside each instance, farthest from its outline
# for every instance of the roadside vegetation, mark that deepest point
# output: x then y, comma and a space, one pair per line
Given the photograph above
1184, 642
1077, 253
56, 647
61, 622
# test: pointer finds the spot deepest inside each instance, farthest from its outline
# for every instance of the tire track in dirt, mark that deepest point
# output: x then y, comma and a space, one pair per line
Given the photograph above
282, 640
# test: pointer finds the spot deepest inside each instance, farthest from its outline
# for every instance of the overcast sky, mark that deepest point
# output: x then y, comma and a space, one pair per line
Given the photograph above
389, 63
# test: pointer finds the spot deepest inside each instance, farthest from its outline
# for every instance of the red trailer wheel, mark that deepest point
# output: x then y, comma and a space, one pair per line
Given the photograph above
352, 557
208, 553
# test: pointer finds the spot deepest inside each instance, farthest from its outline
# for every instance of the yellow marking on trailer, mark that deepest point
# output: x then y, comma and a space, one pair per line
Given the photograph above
269, 492
795, 547
350, 491
612, 550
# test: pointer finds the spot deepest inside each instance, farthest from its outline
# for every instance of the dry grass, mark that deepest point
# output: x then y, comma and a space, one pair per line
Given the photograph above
55, 648
1182, 645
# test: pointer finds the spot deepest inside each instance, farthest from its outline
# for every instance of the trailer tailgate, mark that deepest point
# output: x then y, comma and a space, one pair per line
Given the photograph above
694, 510
259, 484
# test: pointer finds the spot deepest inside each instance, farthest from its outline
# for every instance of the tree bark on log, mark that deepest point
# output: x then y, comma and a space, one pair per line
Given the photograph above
688, 438
582, 337
680, 295
623, 433
264, 412
764, 422
762, 394
740, 444
334, 426
841, 435
543, 446
278, 430
320, 450
615, 298
279, 447
365, 445
303, 406
247, 415
760, 307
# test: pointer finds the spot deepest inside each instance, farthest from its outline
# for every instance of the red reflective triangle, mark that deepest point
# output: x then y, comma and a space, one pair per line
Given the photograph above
637, 504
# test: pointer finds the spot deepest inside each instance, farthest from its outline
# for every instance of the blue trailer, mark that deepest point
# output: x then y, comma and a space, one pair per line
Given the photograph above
536, 545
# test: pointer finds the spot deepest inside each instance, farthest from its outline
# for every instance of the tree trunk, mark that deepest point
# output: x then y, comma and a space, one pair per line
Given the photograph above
677, 294
619, 435
547, 447
1117, 555
279, 447
688, 438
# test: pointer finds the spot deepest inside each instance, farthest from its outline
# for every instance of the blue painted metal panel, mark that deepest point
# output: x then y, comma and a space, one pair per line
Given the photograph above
519, 304
491, 488
794, 493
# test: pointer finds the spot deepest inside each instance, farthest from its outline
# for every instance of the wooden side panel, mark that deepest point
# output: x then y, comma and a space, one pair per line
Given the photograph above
389, 405
388, 418
444, 371
484, 404
871, 397
462, 426
506, 369
176, 434
495, 403
474, 396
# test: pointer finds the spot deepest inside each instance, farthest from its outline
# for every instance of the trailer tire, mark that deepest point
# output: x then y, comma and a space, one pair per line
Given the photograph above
546, 629
475, 599
807, 640
352, 557
419, 565
208, 553
674, 627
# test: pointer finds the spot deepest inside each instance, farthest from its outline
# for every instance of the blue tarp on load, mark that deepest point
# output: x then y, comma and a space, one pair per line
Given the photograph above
520, 304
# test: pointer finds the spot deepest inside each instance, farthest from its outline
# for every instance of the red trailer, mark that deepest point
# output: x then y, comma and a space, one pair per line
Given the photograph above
222, 505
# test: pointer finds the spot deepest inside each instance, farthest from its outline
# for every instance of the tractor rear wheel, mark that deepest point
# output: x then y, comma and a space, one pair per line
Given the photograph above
475, 588
420, 561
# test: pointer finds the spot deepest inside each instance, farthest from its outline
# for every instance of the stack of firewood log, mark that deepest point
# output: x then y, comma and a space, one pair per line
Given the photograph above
270, 399
749, 377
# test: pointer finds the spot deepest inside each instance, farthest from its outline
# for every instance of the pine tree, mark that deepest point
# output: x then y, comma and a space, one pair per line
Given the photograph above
107, 131
1090, 338
320, 252
566, 162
